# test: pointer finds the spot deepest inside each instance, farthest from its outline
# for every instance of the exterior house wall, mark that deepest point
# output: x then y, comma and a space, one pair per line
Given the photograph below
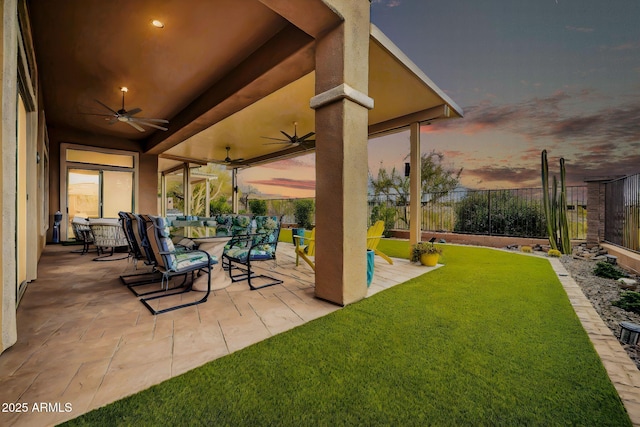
147, 168
42, 161
8, 133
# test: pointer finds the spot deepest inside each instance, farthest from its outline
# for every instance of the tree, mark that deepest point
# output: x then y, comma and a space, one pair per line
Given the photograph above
219, 186
303, 211
258, 207
393, 187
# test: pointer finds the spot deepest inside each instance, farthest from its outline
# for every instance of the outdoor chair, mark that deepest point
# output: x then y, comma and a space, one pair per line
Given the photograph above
243, 250
232, 225
374, 234
136, 234
108, 234
171, 262
307, 251
135, 251
82, 233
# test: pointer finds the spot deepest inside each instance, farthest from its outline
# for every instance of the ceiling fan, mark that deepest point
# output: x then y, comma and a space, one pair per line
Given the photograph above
293, 140
125, 116
228, 161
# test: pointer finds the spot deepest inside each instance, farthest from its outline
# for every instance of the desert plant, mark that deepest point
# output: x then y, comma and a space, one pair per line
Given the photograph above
302, 211
629, 301
554, 253
555, 208
527, 249
608, 271
421, 248
258, 207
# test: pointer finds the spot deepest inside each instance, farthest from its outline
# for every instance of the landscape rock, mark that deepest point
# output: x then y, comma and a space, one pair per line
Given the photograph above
601, 293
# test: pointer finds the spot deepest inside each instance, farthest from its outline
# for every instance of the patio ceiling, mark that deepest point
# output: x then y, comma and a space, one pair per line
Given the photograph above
401, 91
224, 73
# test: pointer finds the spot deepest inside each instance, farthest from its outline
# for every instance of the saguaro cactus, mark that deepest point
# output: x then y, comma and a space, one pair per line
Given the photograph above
549, 211
555, 208
563, 224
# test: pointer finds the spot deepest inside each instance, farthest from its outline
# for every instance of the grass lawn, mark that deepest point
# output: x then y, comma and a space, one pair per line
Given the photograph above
489, 339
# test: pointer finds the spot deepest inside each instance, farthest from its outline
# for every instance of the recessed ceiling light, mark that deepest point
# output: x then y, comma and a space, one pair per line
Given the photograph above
157, 24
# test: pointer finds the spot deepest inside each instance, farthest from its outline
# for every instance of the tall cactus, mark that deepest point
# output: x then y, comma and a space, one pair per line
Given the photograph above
555, 208
563, 224
548, 207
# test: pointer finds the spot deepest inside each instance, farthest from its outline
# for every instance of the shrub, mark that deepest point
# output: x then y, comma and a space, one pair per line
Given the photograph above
629, 301
258, 207
527, 249
608, 271
554, 253
499, 212
386, 214
220, 206
302, 211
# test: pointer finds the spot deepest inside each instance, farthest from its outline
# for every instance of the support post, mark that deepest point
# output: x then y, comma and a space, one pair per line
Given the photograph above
415, 186
342, 104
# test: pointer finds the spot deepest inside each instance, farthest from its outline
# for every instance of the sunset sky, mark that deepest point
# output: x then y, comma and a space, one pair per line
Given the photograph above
561, 75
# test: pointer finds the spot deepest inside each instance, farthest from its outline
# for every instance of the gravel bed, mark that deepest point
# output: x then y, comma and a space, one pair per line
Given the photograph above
602, 292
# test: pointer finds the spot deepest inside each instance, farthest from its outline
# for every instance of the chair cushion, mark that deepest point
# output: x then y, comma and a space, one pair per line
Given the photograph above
267, 228
259, 253
192, 259
176, 260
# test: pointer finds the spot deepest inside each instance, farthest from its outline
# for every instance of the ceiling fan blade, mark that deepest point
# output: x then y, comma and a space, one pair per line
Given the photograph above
142, 122
97, 114
280, 143
135, 125
149, 120
277, 139
107, 107
287, 135
113, 120
310, 134
134, 111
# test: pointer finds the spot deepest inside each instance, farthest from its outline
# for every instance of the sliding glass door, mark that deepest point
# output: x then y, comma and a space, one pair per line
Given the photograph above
98, 183
83, 193
97, 193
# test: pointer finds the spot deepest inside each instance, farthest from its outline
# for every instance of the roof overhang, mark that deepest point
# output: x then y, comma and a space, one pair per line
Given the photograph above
402, 94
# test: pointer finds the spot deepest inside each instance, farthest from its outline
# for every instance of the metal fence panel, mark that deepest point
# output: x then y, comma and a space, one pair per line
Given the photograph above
516, 212
622, 212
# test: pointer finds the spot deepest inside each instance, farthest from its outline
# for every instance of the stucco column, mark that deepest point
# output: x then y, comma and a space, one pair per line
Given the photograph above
415, 186
342, 104
596, 208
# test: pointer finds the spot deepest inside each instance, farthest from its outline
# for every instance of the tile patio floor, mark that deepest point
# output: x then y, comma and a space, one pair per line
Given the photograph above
85, 339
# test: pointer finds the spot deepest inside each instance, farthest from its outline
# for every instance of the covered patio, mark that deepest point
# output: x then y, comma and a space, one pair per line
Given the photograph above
85, 339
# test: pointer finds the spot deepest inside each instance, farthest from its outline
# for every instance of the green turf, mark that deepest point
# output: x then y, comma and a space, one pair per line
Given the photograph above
489, 339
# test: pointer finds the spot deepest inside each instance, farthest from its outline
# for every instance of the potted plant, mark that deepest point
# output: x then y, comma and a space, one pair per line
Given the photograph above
426, 253
302, 211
